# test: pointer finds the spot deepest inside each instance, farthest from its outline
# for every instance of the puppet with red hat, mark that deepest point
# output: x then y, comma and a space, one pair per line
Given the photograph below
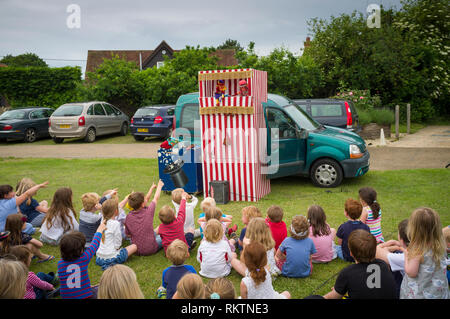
243, 88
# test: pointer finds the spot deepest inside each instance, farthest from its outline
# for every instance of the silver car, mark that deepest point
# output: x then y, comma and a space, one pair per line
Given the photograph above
87, 120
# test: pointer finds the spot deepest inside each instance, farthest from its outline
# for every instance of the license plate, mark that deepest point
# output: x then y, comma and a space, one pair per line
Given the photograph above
142, 130
64, 126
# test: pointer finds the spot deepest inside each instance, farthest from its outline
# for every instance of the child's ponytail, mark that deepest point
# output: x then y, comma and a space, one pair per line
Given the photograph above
109, 208
369, 195
255, 260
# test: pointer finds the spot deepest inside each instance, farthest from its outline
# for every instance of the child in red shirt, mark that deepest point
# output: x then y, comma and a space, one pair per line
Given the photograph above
276, 224
172, 226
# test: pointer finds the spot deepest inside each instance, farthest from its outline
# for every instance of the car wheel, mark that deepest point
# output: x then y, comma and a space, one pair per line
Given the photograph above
58, 140
30, 135
138, 137
90, 135
124, 129
326, 173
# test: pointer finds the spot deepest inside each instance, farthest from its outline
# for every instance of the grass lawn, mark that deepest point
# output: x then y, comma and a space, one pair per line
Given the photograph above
399, 193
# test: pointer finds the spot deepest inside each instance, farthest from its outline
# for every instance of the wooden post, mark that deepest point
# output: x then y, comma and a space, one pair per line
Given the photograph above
408, 118
397, 120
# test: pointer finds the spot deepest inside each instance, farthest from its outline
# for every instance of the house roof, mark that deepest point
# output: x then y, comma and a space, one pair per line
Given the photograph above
96, 57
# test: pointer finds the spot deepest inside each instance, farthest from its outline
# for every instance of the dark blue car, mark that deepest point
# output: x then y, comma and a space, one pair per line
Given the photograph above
26, 124
156, 120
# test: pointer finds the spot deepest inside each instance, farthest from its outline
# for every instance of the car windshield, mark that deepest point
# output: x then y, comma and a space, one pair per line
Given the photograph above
146, 112
13, 115
301, 117
68, 110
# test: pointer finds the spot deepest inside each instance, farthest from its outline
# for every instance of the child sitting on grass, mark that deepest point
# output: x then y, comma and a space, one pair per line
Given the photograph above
207, 204
172, 227
220, 288
425, 258
214, 253
368, 278
322, 235
119, 282
294, 255
257, 283
177, 253
276, 224
34, 210
248, 213
190, 206
60, 218
371, 214
15, 225
139, 222
40, 285
121, 217
216, 213
353, 210
9, 203
73, 265
110, 252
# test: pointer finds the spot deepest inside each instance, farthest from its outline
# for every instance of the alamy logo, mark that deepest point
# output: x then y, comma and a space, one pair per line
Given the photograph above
374, 279
74, 19
74, 279
374, 18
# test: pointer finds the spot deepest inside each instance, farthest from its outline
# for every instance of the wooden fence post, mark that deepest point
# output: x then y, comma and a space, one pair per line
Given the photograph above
408, 118
397, 121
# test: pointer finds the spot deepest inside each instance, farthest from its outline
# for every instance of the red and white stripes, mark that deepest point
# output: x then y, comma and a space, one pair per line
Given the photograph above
231, 145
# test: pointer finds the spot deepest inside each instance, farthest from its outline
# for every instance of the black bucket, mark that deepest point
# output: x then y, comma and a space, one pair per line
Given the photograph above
177, 175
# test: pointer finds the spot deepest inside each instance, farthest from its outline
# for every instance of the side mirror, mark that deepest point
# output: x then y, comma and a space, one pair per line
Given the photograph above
302, 134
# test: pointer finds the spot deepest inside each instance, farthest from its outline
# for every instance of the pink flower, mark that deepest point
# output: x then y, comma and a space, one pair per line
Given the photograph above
351, 93
361, 97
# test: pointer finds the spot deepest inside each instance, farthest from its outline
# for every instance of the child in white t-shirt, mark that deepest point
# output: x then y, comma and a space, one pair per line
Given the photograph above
189, 224
214, 253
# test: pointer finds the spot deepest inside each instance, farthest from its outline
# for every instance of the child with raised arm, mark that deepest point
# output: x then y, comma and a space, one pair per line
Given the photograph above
371, 213
139, 222
172, 227
425, 258
110, 252
257, 283
73, 265
9, 203
190, 206
367, 278
60, 218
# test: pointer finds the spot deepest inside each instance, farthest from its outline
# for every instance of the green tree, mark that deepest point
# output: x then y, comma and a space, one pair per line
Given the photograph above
23, 60
231, 44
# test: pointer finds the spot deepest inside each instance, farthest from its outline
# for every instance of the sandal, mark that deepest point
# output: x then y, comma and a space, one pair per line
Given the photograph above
50, 257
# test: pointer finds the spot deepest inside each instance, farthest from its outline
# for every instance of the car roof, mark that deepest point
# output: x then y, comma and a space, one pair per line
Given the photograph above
162, 106
320, 100
30, 108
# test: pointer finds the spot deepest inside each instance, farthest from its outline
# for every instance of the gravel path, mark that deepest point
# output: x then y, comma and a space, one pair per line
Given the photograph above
428, 148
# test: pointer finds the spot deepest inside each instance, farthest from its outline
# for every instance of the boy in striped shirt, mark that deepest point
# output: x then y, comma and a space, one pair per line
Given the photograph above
73, 266
172, 226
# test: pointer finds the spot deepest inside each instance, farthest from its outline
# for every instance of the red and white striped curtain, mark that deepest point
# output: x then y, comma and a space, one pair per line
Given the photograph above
232, 148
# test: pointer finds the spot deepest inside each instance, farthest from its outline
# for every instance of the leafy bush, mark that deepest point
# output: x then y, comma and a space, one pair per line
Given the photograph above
382, 116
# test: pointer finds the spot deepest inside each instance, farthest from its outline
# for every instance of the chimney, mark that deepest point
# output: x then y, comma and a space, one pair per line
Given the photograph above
307, 43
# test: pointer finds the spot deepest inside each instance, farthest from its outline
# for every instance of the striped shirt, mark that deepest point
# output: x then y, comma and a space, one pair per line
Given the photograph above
174, 230
34, 281
374, 224
73, 275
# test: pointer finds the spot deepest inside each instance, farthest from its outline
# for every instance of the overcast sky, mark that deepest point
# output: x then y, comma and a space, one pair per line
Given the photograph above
40, 26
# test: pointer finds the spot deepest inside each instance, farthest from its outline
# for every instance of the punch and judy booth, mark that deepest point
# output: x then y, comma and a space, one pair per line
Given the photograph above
233, 131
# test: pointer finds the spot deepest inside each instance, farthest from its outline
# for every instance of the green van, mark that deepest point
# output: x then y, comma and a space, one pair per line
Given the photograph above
325, 154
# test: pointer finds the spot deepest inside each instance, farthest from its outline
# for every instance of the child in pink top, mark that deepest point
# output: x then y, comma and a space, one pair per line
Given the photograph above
321, 234
36, 287
276, 224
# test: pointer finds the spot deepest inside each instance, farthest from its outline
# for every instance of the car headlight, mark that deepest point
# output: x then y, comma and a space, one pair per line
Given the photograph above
355, 152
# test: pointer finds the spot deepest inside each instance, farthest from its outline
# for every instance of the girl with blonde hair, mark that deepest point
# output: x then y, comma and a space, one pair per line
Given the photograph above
13, 279
34, 210
214, 253
425, 258
257, 283
258, 231
119, 282
190, 286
